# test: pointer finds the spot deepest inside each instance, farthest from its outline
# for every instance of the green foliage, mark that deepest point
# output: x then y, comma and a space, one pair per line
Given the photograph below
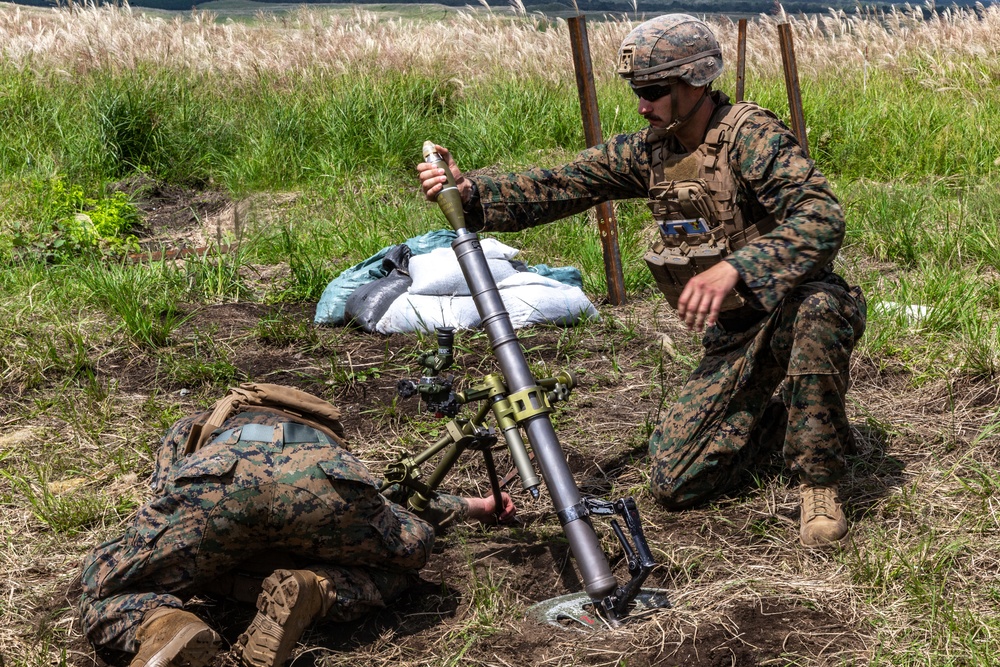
161, 414
310, 273
128, 116
71, 511
195, 371
282, 330
67, 222
216, 277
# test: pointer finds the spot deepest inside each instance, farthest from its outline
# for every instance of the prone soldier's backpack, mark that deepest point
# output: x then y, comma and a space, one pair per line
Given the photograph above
190, 434
300, 405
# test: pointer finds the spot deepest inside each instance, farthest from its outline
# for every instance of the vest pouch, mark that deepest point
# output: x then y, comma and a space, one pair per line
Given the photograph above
671, 271
705, 257
672, 268
683, 199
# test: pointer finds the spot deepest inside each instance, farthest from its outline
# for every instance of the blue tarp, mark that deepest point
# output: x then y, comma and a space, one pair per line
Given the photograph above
330, 309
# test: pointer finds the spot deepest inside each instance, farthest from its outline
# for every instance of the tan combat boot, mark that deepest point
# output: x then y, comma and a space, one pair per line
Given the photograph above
171, 637
822, 520
290, 602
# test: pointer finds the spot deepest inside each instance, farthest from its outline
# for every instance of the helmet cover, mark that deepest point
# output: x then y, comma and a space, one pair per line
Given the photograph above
670, 47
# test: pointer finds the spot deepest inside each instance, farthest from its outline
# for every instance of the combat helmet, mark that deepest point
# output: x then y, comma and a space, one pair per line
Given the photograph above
672, 46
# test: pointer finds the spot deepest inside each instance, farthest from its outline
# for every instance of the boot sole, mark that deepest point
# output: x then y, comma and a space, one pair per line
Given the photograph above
833, 544
193, 646
265, 643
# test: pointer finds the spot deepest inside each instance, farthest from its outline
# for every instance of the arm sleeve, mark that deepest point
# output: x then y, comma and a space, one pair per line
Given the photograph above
770, 164
442, 511
377, 532
617, 169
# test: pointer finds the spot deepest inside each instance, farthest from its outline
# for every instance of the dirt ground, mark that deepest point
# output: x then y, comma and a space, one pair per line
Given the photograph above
742, 591
600, 429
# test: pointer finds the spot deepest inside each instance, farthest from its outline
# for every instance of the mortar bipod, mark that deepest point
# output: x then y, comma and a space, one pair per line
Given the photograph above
637, 554
509, 410
460, 435
578, 611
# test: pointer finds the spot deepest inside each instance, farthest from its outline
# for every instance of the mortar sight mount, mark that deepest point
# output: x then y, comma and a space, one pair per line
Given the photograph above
433, 389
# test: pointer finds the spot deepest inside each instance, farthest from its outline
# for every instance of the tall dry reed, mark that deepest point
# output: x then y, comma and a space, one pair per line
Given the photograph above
949, 47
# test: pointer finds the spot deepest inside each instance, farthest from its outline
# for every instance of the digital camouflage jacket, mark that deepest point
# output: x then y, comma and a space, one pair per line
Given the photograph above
773, 176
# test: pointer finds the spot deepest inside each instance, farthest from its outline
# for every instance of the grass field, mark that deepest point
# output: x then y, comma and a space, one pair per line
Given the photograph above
294, 136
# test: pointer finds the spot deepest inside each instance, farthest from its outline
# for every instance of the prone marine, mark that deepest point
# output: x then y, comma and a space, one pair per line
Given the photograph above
748, 232
264, 478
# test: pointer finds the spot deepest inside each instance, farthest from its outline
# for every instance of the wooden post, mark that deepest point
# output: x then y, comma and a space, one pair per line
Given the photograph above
606, 222
741, 59
792, 85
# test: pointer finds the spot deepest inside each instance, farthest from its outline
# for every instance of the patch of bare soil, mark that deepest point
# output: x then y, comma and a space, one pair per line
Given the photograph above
176, 217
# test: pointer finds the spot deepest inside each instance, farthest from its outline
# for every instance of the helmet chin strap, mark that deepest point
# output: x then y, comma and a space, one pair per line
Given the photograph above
678, 122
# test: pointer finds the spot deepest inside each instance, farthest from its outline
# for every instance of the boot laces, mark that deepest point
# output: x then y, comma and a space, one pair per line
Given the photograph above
819, 501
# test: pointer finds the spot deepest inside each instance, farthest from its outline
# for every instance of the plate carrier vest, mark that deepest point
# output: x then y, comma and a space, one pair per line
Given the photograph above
693, 200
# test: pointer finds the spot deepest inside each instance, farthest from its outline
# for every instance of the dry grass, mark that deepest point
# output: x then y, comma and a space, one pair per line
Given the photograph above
743, 591
955, 44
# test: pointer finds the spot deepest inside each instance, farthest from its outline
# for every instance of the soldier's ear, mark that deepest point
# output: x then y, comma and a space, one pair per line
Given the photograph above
687, 89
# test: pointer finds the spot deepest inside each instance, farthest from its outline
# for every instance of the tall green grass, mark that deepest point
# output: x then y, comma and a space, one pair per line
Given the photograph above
263, 132
915, 168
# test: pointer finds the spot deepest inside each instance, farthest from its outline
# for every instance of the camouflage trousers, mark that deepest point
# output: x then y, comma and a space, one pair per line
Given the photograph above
720, 422
249, 494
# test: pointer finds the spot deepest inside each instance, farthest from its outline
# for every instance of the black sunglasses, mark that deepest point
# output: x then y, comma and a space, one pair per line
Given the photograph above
652, 93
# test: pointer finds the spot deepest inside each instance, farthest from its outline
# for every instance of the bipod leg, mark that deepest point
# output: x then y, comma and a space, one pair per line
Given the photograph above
578, 611
491, 470
467, 435
640, 558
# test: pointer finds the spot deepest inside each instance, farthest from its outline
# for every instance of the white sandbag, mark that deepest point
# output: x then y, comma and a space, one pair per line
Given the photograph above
528, 297
422, 312
493, 249
534, 299
438, 272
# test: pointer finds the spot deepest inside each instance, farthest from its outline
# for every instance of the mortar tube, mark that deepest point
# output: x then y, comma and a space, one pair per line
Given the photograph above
590, 559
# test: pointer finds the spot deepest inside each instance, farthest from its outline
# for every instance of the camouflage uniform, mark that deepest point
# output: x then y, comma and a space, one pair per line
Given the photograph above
800, 327
264, 486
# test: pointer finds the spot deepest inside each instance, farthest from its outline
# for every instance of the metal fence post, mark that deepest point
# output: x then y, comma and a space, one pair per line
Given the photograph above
606, 222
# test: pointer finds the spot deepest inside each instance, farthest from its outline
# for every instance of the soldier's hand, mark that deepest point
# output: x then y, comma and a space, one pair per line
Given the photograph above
432, 179
702, 297
485, 509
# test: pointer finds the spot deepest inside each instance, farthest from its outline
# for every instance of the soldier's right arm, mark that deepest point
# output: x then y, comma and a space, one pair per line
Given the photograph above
617, 169
387, 535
